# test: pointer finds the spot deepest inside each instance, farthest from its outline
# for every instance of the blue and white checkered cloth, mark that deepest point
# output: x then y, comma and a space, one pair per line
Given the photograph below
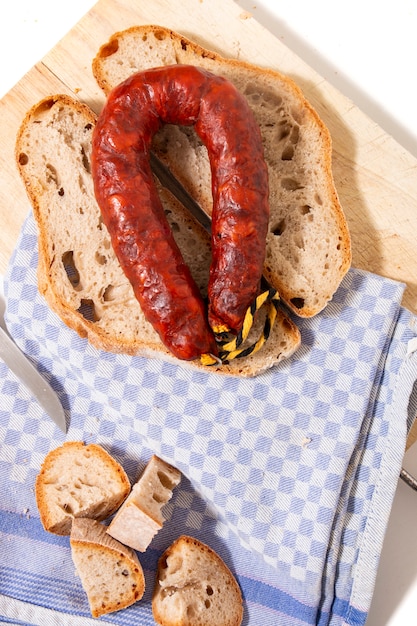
290, 476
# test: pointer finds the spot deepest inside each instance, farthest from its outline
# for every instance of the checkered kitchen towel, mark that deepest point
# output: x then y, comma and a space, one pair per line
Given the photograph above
290, 476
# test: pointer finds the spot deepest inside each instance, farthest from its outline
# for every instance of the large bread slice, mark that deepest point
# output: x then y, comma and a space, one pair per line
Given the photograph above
78, 272
110, 573
194, 587
78, 480
140, 516
308, 245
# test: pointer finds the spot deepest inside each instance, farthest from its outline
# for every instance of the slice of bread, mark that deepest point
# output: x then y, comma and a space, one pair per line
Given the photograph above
110, 573
78, 272
308, 245
78, 480
194, 587
140, 516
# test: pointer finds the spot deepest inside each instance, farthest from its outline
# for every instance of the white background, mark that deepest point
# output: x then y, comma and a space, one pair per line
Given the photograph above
368, 50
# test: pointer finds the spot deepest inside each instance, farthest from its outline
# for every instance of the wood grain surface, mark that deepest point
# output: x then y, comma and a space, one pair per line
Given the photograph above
375, 177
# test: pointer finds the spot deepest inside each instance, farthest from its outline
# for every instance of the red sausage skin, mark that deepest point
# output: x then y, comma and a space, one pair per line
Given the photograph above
134, 216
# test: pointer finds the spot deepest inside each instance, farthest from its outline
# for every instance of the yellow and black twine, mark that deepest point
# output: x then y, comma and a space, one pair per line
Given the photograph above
235, 348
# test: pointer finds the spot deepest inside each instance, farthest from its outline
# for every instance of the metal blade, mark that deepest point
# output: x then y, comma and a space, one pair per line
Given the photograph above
18, 363
168, 180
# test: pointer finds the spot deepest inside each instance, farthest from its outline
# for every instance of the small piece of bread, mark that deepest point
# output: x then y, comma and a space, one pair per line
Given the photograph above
78, 273
140, 516
308, 245
110, 573
194, 587
78, 480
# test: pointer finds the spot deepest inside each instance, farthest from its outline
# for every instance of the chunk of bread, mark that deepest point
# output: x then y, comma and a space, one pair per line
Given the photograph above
110, 572
78, 272
194, 587
140, 516
308, 245
78, 480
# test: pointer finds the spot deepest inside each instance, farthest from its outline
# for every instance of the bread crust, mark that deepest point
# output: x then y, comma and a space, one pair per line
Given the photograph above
70, 485
140, 517
191, 591
95, 555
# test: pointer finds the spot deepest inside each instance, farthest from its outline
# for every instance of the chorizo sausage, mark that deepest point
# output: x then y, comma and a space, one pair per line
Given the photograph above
133, 213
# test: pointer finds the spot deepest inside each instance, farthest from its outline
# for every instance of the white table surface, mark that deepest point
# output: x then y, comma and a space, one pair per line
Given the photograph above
368, 50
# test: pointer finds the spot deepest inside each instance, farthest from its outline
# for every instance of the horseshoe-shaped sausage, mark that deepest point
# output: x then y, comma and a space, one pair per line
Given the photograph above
133, 213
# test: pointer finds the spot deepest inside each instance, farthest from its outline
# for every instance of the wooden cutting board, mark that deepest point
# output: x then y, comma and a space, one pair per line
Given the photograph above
375, 177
